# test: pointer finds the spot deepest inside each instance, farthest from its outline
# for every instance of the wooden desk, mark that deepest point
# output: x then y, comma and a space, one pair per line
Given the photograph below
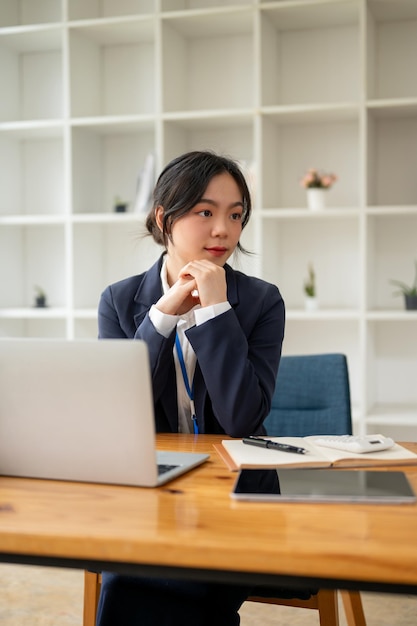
191, 527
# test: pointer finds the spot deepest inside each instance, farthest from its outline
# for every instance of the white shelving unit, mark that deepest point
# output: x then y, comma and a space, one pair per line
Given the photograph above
94, 86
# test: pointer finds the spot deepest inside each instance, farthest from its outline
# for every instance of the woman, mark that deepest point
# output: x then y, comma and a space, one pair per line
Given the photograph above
214, 337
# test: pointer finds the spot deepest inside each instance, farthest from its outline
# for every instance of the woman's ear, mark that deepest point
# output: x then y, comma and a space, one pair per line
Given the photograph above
159, 217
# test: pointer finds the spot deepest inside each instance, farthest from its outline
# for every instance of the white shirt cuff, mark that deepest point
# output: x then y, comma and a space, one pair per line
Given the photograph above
163, 322
208, 312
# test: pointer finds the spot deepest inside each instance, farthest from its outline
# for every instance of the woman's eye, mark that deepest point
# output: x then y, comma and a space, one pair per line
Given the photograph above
205, 213
236, 217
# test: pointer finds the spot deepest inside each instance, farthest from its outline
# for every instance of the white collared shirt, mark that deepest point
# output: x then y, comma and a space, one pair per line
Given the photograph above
164, 324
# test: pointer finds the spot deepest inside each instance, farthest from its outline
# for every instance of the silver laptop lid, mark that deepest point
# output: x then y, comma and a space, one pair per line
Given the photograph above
77, 410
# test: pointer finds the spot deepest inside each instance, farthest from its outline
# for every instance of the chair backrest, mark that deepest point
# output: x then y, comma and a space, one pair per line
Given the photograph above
312, 396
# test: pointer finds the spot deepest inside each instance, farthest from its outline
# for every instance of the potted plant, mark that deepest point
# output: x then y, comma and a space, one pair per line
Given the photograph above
119, 205
40, 297
311, 302
316, 183
408, 291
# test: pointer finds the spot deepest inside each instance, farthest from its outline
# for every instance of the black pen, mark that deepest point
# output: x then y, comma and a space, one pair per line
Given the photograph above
273, 445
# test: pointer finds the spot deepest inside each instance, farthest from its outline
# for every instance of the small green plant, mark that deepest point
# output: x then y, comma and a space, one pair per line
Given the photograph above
406, 290
119, 205
40, 297
310, 283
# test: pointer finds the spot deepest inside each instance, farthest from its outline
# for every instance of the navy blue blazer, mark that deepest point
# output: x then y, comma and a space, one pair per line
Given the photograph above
238, 352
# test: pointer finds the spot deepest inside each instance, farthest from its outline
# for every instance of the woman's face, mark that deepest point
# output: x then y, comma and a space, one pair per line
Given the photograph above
211, 230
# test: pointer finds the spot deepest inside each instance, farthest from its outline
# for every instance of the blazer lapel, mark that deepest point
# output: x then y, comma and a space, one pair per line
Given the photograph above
149, 291
232, 293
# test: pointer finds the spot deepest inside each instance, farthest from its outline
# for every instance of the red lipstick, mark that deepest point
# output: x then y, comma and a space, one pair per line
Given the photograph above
217, 250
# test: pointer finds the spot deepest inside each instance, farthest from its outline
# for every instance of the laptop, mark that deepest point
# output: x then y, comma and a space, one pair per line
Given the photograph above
82, 410
323, 485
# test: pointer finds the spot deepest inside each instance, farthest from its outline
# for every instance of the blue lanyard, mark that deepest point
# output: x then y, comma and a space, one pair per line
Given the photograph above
189, 389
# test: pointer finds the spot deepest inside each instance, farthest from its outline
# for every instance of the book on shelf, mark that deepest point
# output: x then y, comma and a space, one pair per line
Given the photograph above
238, 455
145, 183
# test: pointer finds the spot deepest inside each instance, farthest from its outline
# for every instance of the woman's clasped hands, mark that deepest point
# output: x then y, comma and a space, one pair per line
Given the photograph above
199, 282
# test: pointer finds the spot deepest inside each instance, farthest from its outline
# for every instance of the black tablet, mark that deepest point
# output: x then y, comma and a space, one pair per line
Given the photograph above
323, 485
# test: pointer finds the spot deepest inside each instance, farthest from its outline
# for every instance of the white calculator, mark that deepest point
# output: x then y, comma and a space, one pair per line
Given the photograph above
352, 443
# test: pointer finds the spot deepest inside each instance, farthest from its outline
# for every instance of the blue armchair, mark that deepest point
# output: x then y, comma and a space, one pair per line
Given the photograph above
312, 396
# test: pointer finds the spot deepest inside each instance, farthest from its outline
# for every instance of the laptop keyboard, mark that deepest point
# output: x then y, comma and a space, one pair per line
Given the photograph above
162, 468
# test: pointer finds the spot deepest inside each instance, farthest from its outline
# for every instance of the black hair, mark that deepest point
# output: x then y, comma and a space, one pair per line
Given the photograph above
182, 184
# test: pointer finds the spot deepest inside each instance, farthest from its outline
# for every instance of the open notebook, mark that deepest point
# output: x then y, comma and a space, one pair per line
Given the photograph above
237, 455
82, 410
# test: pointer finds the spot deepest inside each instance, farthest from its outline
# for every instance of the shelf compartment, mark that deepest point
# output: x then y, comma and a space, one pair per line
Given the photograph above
32, 255
21, 12
86, 328
291, 147
91, 9
85, 323
391, 356
227, 134
390, 133
305, 213
107, 160
32, 176
398, 421
392, 253
290, 245
112, 68
392, 42
105, 253
310, 53
195, 5
208, 61
31, 66
51, 328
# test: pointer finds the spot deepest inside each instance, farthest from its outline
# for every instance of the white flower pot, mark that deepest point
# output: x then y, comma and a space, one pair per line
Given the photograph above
316, 199
311, 303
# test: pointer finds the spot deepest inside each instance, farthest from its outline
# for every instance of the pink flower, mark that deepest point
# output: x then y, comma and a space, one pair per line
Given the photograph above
314, 179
